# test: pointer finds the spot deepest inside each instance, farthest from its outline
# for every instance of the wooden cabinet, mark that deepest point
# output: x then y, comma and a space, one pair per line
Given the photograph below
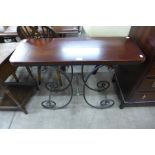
135, 84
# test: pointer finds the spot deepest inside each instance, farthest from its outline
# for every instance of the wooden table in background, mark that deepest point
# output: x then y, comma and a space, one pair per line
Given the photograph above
9, 33
14, 94
66, 30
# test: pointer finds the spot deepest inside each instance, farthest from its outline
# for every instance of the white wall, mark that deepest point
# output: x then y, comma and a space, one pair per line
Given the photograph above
107, 31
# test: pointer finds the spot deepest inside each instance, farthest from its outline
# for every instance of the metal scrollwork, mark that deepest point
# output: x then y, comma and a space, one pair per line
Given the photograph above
54, 87
101, 86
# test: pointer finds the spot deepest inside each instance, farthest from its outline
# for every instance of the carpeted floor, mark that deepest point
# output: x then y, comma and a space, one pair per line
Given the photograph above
77, 114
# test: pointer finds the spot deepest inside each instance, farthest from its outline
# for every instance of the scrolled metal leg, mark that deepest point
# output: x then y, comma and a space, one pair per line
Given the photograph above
59, 76
54, 87
48, 104
101, 86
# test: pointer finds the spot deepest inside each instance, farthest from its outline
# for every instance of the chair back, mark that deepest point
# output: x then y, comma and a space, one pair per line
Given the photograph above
25, 32
46, 32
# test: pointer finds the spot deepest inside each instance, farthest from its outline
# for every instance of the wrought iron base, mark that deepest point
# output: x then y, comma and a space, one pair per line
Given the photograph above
48, 104
106, 103
54, 87
101, 86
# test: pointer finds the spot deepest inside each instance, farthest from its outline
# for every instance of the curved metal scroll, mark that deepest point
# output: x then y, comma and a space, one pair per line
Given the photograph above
53, 87
101, 86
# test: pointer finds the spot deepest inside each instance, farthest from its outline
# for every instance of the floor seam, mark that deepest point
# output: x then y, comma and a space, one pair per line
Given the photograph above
12, 120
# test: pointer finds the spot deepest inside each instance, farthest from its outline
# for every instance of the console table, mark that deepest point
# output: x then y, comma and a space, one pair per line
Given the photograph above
77, 51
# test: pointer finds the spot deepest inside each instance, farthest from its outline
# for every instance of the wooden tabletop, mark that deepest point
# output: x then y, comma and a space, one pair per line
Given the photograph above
5, 50
77, 51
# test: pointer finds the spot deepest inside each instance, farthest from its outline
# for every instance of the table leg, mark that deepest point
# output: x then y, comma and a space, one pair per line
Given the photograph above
54, 87
101, 86
59, 76
13, 98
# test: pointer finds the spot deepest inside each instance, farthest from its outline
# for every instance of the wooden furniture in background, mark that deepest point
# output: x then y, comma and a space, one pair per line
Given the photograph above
9, 33
136, 83
14, 95
25, 32
63, 31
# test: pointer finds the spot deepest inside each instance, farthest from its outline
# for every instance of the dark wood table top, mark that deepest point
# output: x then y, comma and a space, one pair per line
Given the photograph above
5, 50
112, 50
